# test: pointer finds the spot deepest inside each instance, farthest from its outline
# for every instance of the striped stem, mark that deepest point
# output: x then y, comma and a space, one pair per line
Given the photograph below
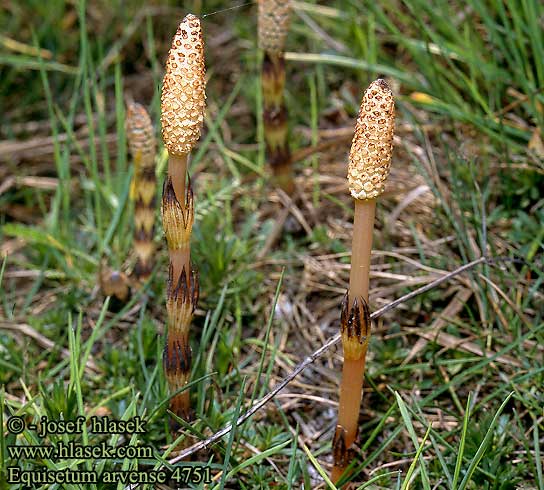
278, 154
182, 296
273, 22
141, 141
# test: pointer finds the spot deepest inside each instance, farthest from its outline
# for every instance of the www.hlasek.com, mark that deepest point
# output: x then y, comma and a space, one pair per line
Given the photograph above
70, 450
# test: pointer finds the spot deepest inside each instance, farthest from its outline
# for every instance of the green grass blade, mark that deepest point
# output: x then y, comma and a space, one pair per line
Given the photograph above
411, 431
292, 459
257, 458
412, 468
483, 446
265, 342
538, 457
461, 450
232, 434
318, 467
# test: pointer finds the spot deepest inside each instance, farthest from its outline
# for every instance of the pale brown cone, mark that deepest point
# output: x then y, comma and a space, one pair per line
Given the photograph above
140, 135
183, 90
372, 146
273, 24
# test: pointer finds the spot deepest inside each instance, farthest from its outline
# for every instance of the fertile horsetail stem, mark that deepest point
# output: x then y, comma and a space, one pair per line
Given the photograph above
142, 145
369, 162
273, 25
182, 114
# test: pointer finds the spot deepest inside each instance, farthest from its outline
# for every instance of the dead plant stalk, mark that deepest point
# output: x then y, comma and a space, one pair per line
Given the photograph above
369, 163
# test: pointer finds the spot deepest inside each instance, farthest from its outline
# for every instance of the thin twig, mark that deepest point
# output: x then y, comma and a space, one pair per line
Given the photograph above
324, 348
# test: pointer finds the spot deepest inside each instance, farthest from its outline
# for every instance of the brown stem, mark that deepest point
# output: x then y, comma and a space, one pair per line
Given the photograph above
181, 258
350, 396
353, 371
177, 366
180, 404
177, 170
275, 120
348, 412
361, 247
